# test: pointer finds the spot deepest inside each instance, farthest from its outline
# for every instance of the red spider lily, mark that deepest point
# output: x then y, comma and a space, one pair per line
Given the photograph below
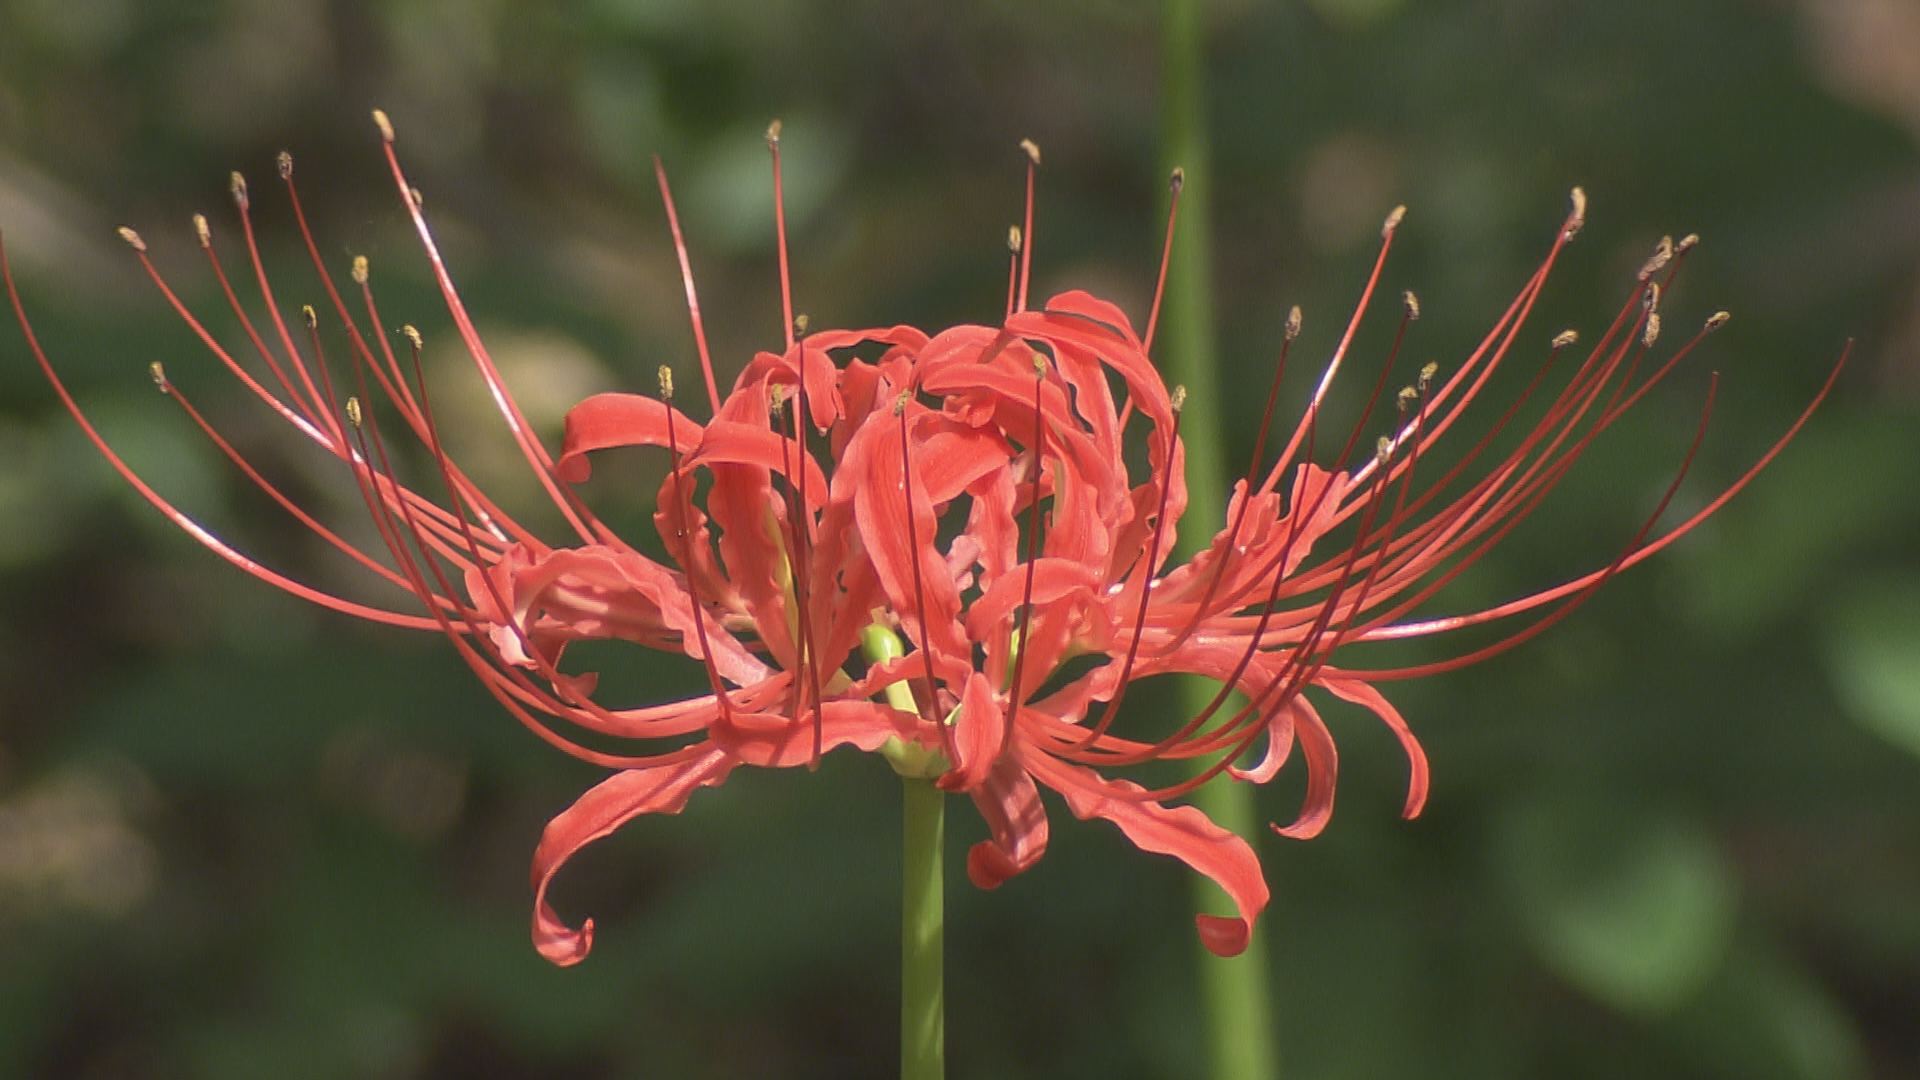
833, 470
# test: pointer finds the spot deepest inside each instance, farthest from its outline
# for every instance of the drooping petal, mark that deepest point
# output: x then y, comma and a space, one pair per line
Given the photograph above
1180, 831
1010, 804
1366, 696
1279, 746
660, 789
605, 421
1323, 768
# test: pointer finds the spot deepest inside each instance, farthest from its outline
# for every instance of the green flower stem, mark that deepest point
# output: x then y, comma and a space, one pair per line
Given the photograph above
923, 1022
923, 1018
1240, 1015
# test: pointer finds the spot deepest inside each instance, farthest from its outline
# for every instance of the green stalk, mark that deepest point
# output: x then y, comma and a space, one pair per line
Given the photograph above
1240, 1015
923, 1017
923, 1023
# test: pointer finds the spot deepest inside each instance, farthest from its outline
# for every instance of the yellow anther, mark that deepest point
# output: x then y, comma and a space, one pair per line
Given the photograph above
773, 133
666, 383
1718, 319
133, 239
1407, 396
1578, 218
1412, 303
159, 373
284, 162
1662, 255
1293, 322
1653, 329
1013, 239
385, 125
1565, 338
359, 269
238, 185
1179, 178
311, 316
353, 411
413, 337
1179, 399
1393, 221
1427, 373
201, 230
900, 401
1032, 150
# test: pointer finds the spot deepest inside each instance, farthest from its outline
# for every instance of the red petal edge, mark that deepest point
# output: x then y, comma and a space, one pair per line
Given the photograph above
659, 789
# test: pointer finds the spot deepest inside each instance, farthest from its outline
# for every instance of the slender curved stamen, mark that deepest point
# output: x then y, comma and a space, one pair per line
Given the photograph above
535, 454
1246, 499
505, 684
1579, 596
1024, 644
800, 561
1147, 571
321, 407
930, 704
1032, 150
686, 279
293, 397
1387, 232
1177, 181
780, 233
1527, 603
681, 509
394, 387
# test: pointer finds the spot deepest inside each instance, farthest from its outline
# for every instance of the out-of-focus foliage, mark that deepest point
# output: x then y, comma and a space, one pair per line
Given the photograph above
1676, 837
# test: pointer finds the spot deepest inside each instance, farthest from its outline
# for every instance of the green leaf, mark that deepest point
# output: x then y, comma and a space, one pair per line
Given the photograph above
1636, 911
1872, 640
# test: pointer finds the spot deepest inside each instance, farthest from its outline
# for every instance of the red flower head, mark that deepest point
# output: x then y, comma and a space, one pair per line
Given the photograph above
969, 492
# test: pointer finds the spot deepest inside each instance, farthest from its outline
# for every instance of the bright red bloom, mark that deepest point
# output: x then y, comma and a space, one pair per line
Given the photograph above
971, 491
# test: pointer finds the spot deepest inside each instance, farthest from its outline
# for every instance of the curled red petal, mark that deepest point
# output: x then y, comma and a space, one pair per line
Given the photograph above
1088, 306
1010, 804
1279, 746
1180, 831
1366, 696
605, 421
1323, 768
659, 789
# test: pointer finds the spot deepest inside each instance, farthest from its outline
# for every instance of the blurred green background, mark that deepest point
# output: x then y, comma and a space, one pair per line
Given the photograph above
1679, 836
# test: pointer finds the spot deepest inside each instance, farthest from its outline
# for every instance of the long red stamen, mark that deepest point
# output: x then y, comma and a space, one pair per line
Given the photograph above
931, 701
1025, 643
205, 234
1247, 495
321, 407
181, 520
535, 454
1148, 568
1177, 181
780, 233
1527, 603
1578, 597
1032, 151
686, 537
686, 279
